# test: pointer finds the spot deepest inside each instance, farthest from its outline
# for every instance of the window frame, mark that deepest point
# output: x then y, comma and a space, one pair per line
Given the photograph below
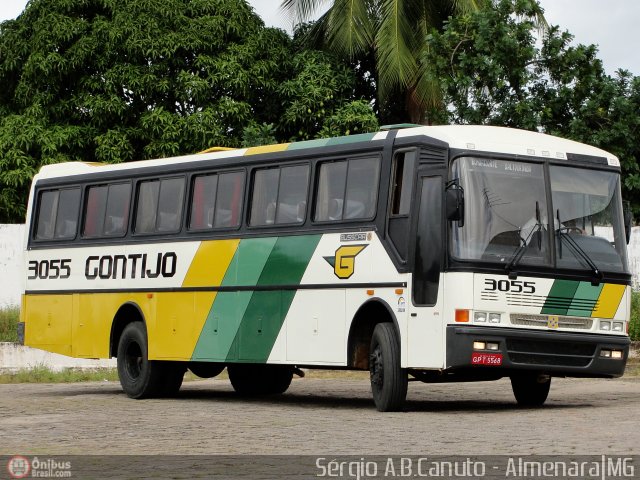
136, 203
364, 156
278, 167
213, 228
127, 220
38, 208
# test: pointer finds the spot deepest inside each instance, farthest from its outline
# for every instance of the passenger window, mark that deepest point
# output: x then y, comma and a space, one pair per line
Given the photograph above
229, 200
280, 195
216, 201
159, 208
107, 210
58, 214
347, 190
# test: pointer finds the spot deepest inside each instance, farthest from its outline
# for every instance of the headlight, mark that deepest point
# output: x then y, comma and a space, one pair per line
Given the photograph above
605, 325
618, 326
480, 317
494, 318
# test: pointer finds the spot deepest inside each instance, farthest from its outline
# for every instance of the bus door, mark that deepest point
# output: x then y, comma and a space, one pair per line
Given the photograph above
426, 317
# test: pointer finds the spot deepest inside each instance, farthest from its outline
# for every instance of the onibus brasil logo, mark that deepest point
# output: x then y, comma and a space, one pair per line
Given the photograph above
344, 261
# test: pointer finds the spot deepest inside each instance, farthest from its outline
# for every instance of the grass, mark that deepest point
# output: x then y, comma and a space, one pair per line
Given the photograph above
634, 324
43, 374
9, 324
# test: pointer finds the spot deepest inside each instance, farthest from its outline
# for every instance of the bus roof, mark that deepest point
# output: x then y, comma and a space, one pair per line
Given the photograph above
466, 137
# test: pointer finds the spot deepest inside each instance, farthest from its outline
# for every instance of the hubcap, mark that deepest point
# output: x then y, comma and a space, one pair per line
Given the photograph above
133, 360
376, 370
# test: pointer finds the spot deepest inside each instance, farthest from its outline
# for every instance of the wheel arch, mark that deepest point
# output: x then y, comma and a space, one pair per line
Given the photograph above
370, 313
127, 313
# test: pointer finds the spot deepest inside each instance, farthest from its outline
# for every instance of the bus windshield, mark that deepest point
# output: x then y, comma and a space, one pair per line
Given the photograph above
508, 219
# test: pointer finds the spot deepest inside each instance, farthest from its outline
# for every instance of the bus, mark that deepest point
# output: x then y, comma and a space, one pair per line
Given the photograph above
423, 253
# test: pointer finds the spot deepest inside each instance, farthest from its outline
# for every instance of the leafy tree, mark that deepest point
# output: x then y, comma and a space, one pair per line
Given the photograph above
123, 80
494, 72
395, 34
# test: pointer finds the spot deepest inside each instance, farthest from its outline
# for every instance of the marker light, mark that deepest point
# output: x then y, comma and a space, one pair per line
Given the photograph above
462, 316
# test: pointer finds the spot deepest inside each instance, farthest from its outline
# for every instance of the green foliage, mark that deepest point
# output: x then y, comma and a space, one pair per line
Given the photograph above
116, 81
395, 35
494, 72
634, 325
9, 318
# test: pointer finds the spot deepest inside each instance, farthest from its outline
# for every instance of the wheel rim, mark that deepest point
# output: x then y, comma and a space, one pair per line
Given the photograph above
376, 368
133, 360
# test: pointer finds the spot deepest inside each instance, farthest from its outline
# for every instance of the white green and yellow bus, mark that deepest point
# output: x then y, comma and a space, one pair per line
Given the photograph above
437, 254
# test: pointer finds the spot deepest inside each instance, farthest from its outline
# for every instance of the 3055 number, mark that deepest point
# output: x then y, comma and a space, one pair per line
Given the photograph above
513, 286
49, 269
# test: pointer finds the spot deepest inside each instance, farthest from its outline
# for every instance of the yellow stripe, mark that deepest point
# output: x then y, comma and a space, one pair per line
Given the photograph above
609, 301
210, 263
268, 149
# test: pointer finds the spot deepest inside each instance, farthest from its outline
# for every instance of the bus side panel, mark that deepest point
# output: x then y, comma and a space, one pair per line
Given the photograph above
48, 320
95, 314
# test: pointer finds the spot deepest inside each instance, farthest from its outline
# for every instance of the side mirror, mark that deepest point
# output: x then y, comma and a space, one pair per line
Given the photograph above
455, 203
628, 220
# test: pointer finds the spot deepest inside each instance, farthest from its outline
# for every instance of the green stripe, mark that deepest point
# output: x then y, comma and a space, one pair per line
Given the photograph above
308, 144
228, 309
585, 298
267, 310
562, 292
363, 137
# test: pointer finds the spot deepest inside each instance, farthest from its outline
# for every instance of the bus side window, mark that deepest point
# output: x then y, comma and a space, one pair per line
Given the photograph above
205, 188
170, 205
106, 210
402, 178
347, 190
279, 195
229, 200
58, 214
159, 208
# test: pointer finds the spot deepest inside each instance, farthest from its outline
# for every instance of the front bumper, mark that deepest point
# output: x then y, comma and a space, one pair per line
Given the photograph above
550, 352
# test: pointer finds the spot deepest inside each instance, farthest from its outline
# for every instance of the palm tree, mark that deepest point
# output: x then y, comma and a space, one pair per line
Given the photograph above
396, 32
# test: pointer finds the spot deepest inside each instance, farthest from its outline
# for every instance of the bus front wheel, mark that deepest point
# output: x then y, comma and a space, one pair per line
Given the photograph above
139, 376
388, 379
531, 389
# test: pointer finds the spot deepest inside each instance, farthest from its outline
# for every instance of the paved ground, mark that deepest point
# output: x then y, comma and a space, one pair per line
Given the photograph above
321, 416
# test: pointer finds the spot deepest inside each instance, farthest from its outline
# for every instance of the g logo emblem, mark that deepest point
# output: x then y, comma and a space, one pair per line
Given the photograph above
344, 262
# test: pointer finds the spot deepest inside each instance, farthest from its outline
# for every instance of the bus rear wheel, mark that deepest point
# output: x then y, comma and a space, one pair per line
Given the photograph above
531, 389
259, 379
141, 377
388, 379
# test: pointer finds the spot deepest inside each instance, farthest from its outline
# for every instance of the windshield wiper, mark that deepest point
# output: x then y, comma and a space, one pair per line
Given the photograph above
519, 253
597, 274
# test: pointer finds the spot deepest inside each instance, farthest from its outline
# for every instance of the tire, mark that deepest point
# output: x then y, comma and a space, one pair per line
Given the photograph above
388, 380
531, 389
206, 369
141, 377
260, 379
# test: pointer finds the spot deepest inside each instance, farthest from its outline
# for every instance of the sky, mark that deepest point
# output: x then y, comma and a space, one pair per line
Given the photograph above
610, 24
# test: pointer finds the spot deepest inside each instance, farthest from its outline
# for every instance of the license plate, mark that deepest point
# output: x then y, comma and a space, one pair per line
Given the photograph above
494, 359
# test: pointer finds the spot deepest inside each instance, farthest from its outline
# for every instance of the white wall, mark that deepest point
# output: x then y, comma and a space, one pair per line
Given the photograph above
11, 267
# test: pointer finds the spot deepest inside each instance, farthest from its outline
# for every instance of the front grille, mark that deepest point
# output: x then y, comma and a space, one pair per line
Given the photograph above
541, 321
537, 352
